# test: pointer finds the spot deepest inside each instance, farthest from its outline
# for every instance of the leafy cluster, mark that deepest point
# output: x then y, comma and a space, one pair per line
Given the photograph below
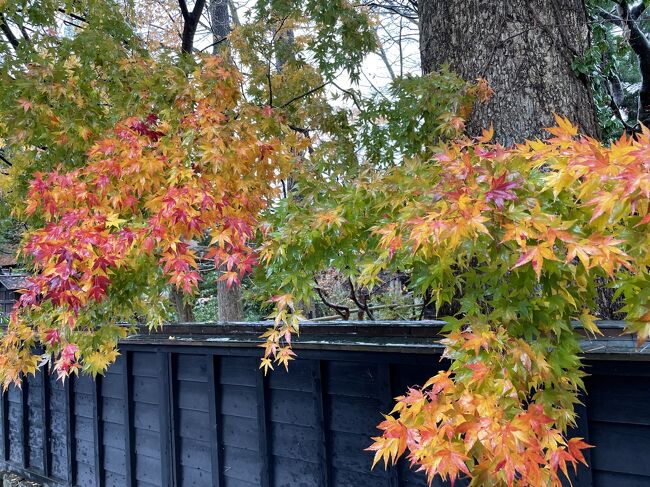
485, 416
137, 168
517, 238
119, 229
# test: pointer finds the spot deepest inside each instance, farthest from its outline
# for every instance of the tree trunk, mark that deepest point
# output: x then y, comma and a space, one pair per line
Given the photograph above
524, 49
184, 310
219, 23
229, 302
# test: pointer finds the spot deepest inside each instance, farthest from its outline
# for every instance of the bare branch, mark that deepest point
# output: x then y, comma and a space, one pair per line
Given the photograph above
307, 93
342, 311
6, 30
362, 306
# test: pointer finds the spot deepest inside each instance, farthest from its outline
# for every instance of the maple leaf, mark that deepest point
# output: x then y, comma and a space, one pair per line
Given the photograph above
283, 301
26, 105
564, 129
501, 191
536, 255
230, 278
575, 446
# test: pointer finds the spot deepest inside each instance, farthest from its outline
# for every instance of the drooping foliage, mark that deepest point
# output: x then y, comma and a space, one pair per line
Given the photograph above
61, 92
517, 237
119, 229
135, 167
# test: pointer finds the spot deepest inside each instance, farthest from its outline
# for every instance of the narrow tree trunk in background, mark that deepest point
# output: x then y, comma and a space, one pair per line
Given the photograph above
524, 48
229, 302
184, 310
219, 23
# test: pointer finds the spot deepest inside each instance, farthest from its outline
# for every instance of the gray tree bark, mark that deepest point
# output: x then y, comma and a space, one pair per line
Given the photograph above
219, 23
230, 303
524, 49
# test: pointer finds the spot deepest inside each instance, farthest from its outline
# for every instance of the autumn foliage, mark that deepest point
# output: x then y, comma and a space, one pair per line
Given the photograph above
519, 239
516, 238
484, 418
563, 212
157, 193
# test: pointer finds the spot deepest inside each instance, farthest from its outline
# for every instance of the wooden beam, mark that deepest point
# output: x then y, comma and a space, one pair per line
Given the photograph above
4, 409
319, 385
69, 431
167, 405
97, 427
45, 414
263, 427
129, 447
584, 476
215, 417
24, 428
384, 385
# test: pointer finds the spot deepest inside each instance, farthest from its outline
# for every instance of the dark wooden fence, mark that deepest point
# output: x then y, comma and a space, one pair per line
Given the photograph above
189, 407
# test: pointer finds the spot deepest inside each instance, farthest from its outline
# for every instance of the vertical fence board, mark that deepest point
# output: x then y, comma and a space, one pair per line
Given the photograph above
4, 410
319, 389
384, 386
97, 433
215, 426
24, 423
584, 476
167, 435
129, 450
263, 428
69, 425
45, 415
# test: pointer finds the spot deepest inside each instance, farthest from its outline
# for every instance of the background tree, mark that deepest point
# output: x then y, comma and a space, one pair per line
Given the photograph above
526, 52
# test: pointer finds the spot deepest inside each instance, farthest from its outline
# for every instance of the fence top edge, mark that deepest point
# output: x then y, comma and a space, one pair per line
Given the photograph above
382, 336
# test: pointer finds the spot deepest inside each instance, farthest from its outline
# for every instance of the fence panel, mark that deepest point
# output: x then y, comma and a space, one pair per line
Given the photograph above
201, 414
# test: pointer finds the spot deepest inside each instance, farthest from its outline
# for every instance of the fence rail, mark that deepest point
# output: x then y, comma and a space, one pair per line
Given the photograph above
189, 407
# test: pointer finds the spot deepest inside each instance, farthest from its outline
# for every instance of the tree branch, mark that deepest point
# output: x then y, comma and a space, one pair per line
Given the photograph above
6, 30
307, 93
363, 307
191, 22
184, 11
5, 160
342, 311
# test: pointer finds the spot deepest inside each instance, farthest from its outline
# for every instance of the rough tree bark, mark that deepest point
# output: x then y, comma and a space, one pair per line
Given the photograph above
219, 23
524, 49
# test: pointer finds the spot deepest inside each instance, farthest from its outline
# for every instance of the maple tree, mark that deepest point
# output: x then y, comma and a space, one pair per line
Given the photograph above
518, 237
120, 228
130, 182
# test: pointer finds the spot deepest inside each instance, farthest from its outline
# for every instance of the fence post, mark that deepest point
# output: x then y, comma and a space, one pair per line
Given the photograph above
129, 457
320, 393
263, 429
45, 412
69, 430
215, 425
97, 426
168, 457
24, 428
4, 409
